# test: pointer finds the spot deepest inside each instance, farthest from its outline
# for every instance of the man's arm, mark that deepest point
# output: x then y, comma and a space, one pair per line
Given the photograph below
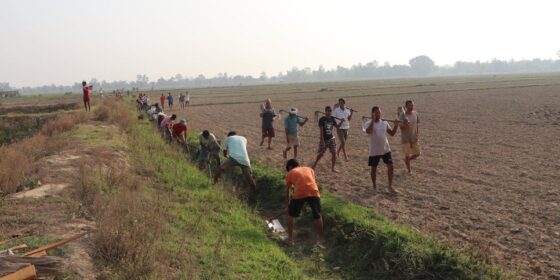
287, 133
302, 123
369, 129
288, 187
321, 132
393, 130
350, 117
417, 129
339, 124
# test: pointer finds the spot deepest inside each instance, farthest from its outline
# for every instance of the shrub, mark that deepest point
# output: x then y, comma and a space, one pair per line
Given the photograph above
14, 165
60, 124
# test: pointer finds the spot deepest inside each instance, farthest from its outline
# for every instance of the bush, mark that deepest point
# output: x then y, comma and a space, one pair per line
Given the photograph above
60, 124
14, 165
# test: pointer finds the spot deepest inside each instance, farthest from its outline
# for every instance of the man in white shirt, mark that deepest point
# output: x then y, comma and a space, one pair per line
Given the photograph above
342, 113
379, 146
235, 149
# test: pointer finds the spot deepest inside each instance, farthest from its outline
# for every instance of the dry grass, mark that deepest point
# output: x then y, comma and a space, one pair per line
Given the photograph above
113, 111
60, 124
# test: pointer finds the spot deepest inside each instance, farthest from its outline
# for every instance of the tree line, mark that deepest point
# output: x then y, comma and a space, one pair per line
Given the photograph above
420, 66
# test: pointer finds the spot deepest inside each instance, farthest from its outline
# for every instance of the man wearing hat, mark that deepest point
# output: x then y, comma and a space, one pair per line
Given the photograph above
291, 126
179, 132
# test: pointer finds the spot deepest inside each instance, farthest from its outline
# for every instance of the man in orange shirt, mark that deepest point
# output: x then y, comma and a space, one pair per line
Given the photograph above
162, 101
306, 190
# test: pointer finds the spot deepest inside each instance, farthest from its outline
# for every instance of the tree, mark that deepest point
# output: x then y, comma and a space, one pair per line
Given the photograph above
422, 65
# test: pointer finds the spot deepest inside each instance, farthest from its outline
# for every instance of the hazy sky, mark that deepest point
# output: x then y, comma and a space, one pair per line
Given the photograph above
63, 42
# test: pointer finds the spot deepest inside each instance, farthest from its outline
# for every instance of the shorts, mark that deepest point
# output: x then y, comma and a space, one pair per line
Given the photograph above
342, 135
170, 103
293, 141
331, 144
268, 132
230, 162
86, 100
294, 209
411, 149
203, 156
374, 160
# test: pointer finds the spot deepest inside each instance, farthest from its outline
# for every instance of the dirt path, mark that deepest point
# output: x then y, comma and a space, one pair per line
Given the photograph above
487, 178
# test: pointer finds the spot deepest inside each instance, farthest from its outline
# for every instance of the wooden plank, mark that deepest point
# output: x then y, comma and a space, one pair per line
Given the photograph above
27, 272
53, 245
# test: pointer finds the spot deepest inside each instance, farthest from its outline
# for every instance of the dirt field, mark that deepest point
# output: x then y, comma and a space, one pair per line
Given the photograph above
488, 176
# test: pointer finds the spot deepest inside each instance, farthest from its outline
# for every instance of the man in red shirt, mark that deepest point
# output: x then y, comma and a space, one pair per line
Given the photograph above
179, 132
87, 95
306, 190
162, 101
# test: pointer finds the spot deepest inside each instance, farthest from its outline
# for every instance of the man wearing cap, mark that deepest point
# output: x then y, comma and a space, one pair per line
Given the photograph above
291, 127
342, 113
209, 148
179, 133
235, 149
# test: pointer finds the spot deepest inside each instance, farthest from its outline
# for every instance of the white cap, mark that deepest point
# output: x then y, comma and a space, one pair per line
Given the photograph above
293, 111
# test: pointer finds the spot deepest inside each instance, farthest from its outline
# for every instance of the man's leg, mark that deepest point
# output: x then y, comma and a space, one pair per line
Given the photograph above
290, 229
319, 156
373, 175
249, 178
269, 142
295, 152
390, 175
333, 161
285, 152
319, 229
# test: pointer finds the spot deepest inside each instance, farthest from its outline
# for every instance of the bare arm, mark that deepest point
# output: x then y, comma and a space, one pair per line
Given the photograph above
369, 129
350, 117
302, 123
392, 131
288, 186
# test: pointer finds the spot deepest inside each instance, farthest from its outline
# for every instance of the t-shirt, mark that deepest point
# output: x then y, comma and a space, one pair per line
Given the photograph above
327, 124
162, 99
409, 134
85, 90
178, 129
303, 179
342, 114
236, 147
166, 121
291, 123
188, 97
378, 143
211, 143
170, 99
268, 117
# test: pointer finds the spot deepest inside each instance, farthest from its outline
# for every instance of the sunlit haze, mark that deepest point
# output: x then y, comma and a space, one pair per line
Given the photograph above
62, 42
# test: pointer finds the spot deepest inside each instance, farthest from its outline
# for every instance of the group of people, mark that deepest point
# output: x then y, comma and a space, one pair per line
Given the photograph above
184, 100
302, 179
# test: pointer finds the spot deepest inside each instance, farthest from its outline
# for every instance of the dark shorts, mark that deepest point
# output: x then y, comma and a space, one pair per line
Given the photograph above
330, 144
374, 161
296, 204
268, 132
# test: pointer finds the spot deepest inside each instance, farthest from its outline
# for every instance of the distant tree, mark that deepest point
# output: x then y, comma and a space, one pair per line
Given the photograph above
422, 65
263, 77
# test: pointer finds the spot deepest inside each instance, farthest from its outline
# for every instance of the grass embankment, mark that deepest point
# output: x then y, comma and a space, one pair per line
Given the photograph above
171, 223
366, 245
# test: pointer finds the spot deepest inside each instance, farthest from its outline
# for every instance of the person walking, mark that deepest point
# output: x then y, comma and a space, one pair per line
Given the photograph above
409, 134
170, 101
326, 138
302, 179
162, 101
86, 95
291, 127
379, 147
268, 115
342, 113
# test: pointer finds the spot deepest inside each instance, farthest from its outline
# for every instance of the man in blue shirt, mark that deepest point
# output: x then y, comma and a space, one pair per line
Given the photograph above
291, 126
170, 100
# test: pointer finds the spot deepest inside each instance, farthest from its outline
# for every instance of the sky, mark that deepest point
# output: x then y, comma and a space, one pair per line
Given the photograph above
67, 41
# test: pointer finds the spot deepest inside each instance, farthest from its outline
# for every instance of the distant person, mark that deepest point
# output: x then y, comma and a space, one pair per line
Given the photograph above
187, 99
291, 127
179, 133
209, 149
162, 101
170, 101
326, 137
235, 150
409, 134
268, 115
342, 113
86, 95
379, 146
306, 191
182, 100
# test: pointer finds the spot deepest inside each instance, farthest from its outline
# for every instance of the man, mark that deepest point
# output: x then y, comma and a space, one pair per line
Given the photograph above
170, 101
182, 100
379, 146
268, 115
409, 134
209, 149
166, 126
179, 133
343, 113
326, 137
291, 127
306, 191
235, 150
86, 95
162, 101
187, 99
